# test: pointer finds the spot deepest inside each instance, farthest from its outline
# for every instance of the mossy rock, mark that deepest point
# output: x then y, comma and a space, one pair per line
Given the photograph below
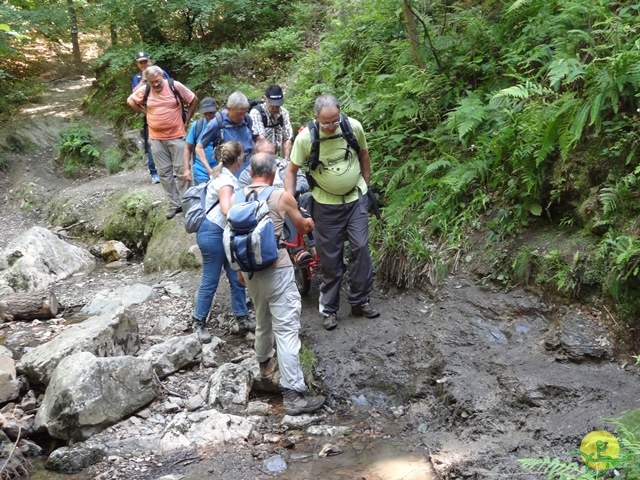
133, 220
169, 247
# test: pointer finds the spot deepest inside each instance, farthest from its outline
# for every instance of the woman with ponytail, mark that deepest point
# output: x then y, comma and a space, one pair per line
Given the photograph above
220, 190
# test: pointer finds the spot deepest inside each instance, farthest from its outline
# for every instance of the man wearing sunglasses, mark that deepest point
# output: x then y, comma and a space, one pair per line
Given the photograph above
340, 181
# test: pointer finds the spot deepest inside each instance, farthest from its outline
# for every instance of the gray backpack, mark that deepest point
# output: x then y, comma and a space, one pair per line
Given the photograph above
193, 204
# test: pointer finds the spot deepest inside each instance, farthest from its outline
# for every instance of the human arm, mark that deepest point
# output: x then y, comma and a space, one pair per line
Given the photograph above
289, 206
224, 197
206, 137
188, 148
290, 179
286, 149
133, 102
365, 165
192, 109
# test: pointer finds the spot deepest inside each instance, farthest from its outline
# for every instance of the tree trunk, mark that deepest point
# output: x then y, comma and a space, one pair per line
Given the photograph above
73, 22
113, 29
412, 32
41, 304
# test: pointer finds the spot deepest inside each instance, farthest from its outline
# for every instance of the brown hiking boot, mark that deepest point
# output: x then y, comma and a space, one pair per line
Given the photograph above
269, 371
296, 403
364, 310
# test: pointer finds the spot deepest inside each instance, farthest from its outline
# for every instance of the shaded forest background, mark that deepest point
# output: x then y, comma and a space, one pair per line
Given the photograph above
503, 135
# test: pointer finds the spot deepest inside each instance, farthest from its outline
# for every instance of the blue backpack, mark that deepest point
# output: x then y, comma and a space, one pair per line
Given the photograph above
250, 241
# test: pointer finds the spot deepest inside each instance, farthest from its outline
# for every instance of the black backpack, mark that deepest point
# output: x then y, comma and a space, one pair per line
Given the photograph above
179, 99
313, 160
259, 105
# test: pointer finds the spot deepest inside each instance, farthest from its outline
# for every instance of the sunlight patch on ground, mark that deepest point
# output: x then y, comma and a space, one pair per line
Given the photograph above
402, 468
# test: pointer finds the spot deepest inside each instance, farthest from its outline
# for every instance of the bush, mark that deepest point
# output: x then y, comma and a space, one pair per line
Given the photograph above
113, 161
77, 148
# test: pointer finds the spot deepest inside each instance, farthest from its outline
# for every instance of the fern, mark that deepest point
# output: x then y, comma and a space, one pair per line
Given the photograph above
609, 198
556, 468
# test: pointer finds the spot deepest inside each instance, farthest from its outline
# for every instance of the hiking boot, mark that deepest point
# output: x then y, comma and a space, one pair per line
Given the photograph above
330, 321
364, 310
200, 329
296, 403
155, 178
245, 325
172, 212
302, 258
269, 371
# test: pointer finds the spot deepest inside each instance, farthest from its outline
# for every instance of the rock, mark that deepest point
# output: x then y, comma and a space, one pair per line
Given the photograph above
251, 364
210, 352
87, 394
582, 337
174, 354
13, 462
38, 258
9, 385
197, 429
111, 334
297, 421
168, 247
258, 408
329, 449
108, 300
75, 458
30, 449
194, 403
171, 477
228, 387
114, 250
275, 464
327, 430
173, 289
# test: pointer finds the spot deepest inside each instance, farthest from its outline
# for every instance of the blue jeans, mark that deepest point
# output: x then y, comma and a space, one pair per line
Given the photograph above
209, 239
150, 164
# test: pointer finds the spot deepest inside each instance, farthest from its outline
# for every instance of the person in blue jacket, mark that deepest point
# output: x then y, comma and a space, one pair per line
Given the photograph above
201, 166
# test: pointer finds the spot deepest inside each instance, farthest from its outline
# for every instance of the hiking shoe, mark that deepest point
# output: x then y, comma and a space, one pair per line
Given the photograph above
155, 178
172, 212
302, 258
330, 321
364, 310
200, 329
296, 403
269, 371
245, 325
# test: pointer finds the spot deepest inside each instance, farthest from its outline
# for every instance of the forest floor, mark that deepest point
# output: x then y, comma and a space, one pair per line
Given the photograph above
457, 381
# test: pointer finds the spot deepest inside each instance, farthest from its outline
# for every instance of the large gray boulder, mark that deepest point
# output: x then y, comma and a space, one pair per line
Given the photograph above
9, 384
108, 335
174, 354
199, 429
108, 300
88, 393
229, 387
38, 258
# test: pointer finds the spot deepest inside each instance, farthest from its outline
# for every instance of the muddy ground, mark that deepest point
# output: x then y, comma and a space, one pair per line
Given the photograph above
453, 382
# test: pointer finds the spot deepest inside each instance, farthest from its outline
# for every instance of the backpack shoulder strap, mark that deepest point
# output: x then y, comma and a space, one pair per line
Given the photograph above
221, 127
266, 193
263, 114
314, 154
199, 127
347, 133
147, 89
179, 99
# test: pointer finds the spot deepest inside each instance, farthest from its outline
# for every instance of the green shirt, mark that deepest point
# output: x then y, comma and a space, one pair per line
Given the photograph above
336, 177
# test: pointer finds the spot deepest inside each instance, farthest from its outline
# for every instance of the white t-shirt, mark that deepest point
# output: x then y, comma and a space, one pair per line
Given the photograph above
213, 187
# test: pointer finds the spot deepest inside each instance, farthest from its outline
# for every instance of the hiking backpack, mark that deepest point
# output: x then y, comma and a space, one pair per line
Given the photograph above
313, 160
249, 238
199, 127
179, 100
259, 105
194, 205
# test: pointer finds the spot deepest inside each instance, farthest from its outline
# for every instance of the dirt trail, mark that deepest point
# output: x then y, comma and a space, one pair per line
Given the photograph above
456, 383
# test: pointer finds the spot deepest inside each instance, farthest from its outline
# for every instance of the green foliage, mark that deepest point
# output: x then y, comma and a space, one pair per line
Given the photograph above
113, 161
556, 468
132, 221
77, 148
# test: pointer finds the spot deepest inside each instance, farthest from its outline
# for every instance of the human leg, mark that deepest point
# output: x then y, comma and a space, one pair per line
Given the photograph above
209, 239
176, 147
330, 223
360, 268
259, 288
164, 166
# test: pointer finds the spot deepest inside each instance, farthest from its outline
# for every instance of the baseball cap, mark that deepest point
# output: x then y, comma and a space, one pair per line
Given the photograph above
142, 56
274, 95
208, 105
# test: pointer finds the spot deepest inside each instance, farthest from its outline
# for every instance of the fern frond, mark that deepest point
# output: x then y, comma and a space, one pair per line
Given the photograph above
609, 197
556, 468
517, 5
